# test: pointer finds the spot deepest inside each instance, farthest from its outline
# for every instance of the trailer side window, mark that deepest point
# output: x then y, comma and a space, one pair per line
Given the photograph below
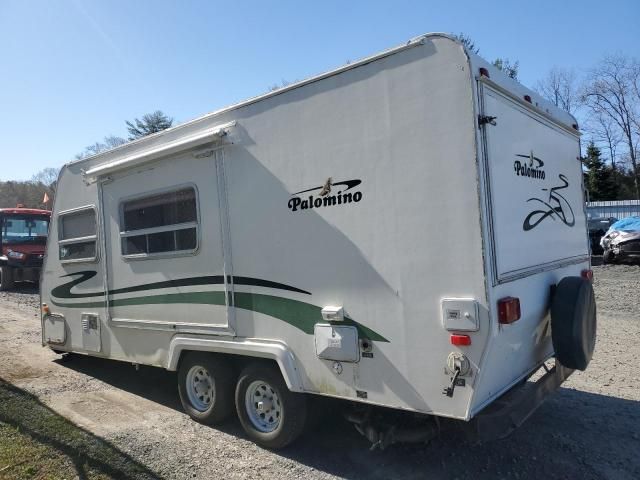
160, 223
77, 236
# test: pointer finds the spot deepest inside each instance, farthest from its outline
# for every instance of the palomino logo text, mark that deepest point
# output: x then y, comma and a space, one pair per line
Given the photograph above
531, 169
324, 197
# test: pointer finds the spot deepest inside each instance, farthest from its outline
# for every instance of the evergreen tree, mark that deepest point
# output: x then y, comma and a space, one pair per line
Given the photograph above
507, 66
467, 42
598, 177
150, 123
504, 64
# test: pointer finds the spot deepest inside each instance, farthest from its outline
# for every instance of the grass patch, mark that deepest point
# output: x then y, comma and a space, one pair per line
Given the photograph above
37, 443
21, 457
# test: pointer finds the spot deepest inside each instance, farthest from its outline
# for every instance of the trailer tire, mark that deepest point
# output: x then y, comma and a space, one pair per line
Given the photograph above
573, 322
6, 278
205, 386
282, 420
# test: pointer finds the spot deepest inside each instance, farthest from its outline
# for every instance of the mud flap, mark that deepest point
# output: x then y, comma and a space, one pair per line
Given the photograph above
512, 409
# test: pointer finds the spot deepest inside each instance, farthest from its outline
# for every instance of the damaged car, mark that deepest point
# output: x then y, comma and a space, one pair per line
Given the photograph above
621, 243
598, 227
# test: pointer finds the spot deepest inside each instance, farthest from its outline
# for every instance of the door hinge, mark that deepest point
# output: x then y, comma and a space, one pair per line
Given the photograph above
484, 119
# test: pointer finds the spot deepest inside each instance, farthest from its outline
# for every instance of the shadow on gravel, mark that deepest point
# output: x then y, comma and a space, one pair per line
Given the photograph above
573, 435
89, 454
28, 288
155, 384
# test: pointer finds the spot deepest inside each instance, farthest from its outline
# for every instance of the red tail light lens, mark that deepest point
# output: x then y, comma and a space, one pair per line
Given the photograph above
587, 275
460, 340
508, 310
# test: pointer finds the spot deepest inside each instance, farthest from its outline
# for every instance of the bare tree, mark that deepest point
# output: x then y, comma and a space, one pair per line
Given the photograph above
605, 132
47, 176
108, 143
560, 88
612, 92
635, 84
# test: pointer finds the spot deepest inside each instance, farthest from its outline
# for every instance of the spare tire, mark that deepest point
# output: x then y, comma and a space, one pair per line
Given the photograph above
573, 322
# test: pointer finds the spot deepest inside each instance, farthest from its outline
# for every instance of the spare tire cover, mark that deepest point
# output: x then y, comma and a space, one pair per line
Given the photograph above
573, 322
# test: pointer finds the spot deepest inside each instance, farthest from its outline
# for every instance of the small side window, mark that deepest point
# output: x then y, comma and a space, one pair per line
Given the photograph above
159, 224
77, 236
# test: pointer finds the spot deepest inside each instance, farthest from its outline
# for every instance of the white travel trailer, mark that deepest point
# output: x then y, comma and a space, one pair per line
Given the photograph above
407, 231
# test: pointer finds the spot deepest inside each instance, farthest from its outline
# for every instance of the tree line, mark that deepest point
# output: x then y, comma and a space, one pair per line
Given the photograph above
606, 98
31, 193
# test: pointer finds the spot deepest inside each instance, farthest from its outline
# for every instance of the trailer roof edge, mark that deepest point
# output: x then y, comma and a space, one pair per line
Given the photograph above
410, 44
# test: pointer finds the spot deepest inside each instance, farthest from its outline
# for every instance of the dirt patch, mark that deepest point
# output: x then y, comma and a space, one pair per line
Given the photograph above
618, 289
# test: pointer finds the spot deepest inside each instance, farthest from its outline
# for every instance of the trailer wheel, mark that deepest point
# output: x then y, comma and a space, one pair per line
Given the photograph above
269, 412
6, 278
573, 322
205, 385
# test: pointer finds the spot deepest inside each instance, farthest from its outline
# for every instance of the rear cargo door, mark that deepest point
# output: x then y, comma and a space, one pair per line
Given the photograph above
534, 192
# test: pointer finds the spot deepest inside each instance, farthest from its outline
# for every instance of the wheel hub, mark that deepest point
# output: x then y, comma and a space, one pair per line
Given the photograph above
200, 388
263, 406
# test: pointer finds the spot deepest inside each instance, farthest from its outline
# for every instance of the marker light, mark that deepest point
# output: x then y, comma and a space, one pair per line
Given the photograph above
527, 98
508, 310
332, 314
457, 339
587, 275
484, 72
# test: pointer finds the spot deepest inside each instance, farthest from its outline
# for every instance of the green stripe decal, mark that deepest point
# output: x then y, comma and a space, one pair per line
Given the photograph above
301, 315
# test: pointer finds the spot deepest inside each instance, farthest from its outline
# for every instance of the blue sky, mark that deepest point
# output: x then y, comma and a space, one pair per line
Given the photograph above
73, 71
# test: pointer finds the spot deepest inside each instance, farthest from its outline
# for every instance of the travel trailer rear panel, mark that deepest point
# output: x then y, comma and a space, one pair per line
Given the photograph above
345, 227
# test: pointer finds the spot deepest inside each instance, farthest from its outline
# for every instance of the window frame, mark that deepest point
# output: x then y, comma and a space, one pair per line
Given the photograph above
160, 229
75, 240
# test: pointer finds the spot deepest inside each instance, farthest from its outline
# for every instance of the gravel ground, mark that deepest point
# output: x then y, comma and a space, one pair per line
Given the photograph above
588, 430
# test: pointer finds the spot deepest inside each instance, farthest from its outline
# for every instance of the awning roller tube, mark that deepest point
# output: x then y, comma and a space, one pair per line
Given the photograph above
184, 143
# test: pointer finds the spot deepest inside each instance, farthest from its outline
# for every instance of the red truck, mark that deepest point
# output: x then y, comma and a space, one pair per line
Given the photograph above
24, 237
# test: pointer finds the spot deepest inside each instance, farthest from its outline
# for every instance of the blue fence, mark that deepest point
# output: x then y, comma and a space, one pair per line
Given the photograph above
618, 209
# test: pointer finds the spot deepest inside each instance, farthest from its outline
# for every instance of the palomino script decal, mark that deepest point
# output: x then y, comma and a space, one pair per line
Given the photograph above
556, 206
324, 197
531, 169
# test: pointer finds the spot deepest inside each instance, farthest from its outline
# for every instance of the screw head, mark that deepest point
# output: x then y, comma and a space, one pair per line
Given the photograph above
337, 367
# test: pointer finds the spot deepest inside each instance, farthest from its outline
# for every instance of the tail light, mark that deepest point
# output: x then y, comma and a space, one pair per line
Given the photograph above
508, 310
587, 275
460, 340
